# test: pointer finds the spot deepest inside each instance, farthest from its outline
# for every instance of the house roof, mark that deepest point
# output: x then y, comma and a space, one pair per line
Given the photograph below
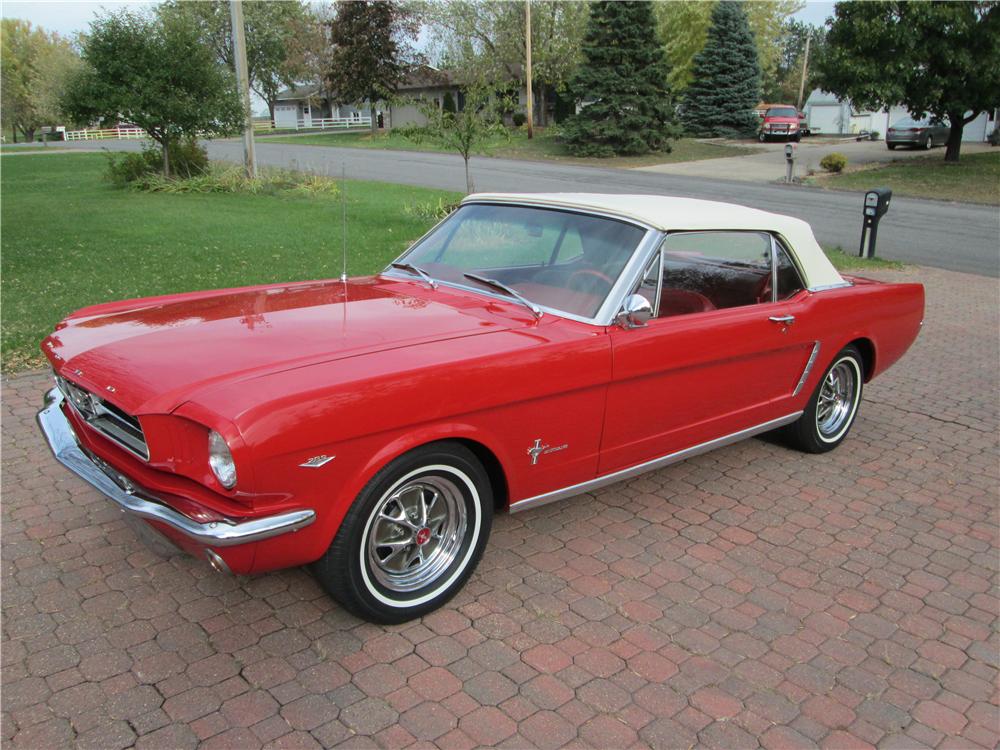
297, 93
426, 76
672, 214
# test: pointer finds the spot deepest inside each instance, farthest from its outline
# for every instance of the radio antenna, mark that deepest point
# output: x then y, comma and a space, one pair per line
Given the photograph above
343, 219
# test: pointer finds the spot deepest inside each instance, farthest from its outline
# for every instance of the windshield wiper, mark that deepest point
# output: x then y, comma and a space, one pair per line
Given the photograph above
416, 270
535, 309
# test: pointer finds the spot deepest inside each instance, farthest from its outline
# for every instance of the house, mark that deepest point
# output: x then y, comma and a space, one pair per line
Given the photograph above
828, 115
307, 106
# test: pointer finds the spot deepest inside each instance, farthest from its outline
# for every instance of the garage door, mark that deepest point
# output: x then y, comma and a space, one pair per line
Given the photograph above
825, 118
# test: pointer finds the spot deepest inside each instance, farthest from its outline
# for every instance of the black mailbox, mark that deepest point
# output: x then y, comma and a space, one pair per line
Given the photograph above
876, 206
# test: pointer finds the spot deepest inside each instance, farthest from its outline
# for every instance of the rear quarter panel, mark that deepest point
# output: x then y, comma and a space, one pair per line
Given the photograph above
888, 315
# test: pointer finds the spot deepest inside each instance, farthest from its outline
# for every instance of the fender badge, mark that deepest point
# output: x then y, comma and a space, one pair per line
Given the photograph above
316, 461
539, 449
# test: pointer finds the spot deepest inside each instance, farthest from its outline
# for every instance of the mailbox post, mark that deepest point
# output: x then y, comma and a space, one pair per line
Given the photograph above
876, 206
789, 161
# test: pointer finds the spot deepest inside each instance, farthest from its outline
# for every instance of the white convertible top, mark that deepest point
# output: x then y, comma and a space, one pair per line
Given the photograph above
672, 214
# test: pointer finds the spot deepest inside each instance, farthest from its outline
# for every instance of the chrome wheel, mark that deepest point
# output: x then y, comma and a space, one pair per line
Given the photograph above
416, 533
837, 400
930, 143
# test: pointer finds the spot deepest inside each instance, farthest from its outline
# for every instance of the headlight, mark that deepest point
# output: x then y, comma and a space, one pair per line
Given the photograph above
221, 460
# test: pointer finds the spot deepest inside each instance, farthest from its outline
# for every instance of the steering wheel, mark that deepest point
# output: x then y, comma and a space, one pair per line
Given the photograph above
764, 289
591, 274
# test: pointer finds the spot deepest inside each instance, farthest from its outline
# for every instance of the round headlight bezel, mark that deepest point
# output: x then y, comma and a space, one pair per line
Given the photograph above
220, 460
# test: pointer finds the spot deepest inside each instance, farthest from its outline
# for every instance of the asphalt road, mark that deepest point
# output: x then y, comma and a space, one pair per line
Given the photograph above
953, 236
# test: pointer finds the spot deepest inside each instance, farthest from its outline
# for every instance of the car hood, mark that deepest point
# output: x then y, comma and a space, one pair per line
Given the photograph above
152, 355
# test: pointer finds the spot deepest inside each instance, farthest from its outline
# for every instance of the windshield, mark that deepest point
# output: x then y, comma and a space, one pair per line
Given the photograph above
782, 112
909, 122
558, 259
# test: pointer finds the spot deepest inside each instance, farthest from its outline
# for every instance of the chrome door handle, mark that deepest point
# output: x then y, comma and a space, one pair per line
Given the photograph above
785, 320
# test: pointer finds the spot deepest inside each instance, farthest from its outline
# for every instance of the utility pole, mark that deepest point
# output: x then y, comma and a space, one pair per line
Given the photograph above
243, 84
805, 67
527, 51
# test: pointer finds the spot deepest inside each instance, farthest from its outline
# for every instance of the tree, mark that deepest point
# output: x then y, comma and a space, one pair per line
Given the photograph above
936, 58
622, 85
683, 26
371, 50
466, 131
784, 86
485, 40
155, 73
272, 31
726, 78
35, 67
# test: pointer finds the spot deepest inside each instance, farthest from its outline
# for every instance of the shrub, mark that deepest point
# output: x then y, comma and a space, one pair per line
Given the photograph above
519, 118
833, 162
219, 178
430, 211
187, 159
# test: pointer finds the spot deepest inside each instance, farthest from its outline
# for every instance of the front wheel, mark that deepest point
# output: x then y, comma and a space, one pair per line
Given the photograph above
833, 406
761, 137
891, 146
929, 144
412, 537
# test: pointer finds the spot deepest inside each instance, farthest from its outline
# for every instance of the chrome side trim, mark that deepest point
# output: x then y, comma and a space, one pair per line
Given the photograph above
807, 370
138, 502
656, 463
826, 287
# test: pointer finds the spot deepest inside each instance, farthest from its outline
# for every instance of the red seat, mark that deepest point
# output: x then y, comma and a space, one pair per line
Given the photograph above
683, 302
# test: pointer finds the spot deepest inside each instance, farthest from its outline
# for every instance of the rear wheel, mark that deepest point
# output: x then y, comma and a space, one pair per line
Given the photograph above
833, 406
412, 537
891, 146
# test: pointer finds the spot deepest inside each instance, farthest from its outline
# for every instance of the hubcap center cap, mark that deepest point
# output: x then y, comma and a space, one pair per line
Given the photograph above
423, 536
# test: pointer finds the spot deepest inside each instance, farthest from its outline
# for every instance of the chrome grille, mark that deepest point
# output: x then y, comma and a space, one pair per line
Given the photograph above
106, 418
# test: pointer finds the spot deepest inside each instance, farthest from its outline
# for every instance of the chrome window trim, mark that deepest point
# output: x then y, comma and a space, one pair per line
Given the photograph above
612, 302
656, 463
827, 287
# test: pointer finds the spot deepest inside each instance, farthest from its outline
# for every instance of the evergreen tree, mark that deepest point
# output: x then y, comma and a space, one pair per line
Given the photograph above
371, 50
622, 85
725, 86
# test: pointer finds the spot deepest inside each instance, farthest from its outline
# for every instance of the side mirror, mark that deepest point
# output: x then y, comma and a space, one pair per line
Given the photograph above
636, 312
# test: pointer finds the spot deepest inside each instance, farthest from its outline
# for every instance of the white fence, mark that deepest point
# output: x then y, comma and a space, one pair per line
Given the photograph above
100, 135
315, 123
259, 126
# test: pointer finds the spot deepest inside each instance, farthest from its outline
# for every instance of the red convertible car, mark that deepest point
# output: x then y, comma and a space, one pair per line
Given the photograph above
528, 348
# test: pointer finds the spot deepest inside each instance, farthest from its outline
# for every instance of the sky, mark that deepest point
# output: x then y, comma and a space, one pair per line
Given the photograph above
68, 18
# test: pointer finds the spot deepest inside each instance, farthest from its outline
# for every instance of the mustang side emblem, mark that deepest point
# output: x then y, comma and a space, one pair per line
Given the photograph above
316, 461
538, 449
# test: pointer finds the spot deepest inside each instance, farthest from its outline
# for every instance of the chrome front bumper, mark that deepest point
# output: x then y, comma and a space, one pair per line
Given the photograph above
143, 504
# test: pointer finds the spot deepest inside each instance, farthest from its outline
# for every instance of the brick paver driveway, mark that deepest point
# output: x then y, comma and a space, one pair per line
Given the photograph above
750, 596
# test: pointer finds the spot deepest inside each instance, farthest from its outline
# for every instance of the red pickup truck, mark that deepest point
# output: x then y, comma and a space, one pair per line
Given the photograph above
781, 121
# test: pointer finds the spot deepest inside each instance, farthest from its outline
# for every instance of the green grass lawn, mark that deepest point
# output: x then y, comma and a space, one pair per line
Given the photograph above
975, 179
543, 147
844, 262
70, 239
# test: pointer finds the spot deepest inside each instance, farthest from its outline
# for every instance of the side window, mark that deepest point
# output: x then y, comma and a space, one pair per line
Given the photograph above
705, 271
789, 283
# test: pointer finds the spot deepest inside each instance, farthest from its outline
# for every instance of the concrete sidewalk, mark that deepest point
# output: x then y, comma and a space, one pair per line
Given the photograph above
750, 597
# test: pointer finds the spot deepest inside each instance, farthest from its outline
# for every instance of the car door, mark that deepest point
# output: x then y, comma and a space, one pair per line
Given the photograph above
722, 354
